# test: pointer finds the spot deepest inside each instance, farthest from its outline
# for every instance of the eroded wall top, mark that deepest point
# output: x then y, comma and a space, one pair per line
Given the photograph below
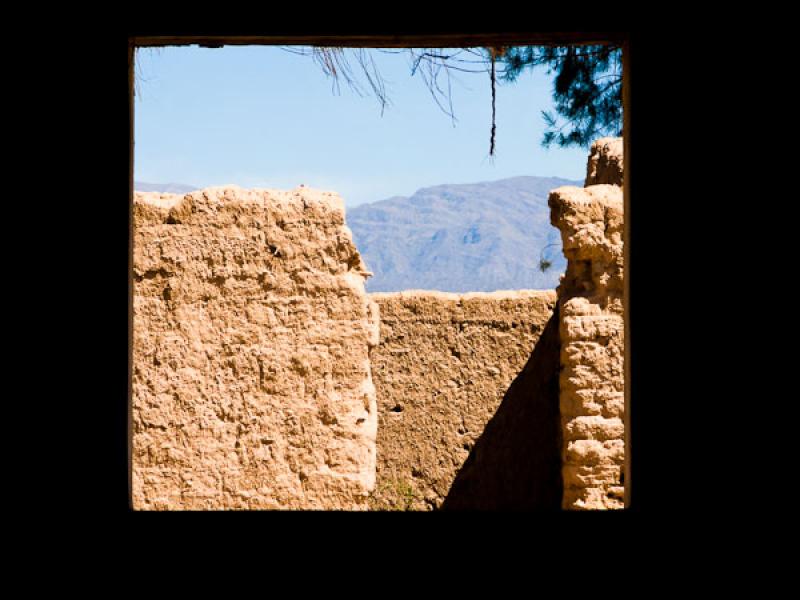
605, 164
591, 223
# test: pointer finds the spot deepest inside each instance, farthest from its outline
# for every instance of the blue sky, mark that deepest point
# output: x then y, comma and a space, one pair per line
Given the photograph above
262, 117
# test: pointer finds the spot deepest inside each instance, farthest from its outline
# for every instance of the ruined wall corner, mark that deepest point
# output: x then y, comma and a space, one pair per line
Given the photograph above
590, 296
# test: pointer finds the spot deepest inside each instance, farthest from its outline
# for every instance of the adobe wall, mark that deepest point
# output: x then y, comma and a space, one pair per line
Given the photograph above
266, 378
252, 385
441, 370
590, 299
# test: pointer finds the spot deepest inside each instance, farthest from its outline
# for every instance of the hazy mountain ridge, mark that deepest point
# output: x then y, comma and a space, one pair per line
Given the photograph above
167, 188
462, 237
454, 237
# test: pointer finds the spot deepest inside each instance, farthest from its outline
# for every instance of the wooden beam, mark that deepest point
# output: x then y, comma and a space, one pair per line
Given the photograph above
131, 91
440, 40
626, 253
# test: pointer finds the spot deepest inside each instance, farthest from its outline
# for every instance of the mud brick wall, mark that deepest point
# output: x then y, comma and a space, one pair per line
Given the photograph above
441, 369
592, 333
266, 378
252, 385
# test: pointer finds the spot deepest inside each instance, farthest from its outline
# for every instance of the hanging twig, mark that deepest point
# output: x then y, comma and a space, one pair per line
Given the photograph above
428, 62
494, 94
544, 263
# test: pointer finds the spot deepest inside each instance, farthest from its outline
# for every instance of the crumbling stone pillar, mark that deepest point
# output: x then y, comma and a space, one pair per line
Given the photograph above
252, 385
592, 333
605, 164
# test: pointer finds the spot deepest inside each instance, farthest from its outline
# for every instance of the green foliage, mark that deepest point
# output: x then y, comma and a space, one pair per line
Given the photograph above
545, 263
587, 82
587, 89
393, 495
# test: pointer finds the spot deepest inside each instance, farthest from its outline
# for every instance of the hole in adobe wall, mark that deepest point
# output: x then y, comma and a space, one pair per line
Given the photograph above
396, 408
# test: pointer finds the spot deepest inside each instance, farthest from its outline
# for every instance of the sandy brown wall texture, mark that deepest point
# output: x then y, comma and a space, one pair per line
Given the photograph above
441, 370
264, 377
591, 329
252, 385
516, 462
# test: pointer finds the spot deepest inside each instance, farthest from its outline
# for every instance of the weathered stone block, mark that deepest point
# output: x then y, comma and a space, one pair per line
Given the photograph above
252, 383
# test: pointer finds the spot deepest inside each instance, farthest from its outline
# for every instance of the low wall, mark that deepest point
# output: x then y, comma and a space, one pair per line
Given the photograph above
441, 369
516, 462
252, 385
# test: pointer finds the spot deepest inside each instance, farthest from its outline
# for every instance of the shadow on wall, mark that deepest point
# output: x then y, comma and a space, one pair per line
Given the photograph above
516, 463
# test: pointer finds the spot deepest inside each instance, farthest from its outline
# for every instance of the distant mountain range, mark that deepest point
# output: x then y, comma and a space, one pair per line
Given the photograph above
169, 188
459, 238
477, 237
